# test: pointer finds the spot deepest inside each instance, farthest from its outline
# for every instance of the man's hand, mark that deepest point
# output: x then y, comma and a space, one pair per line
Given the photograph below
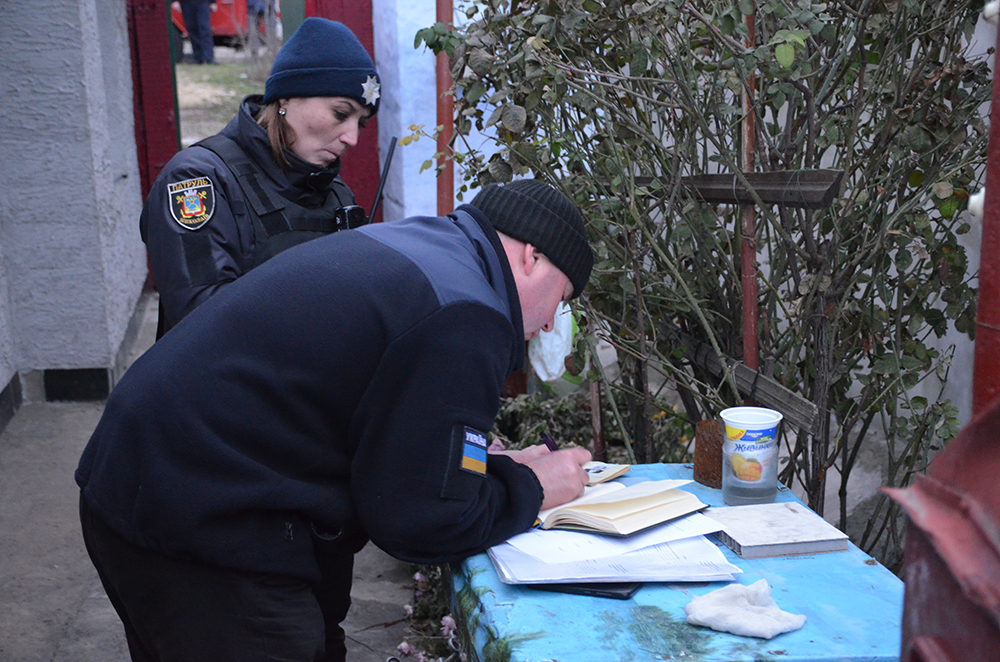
561, 474
524, 455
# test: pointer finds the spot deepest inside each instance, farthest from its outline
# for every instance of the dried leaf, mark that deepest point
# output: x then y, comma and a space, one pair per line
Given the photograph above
514, 118
480, 61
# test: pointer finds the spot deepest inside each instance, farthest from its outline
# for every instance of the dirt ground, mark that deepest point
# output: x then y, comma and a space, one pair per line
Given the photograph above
208, 96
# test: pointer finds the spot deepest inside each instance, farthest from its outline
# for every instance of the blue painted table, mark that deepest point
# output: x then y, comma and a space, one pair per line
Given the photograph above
853, 605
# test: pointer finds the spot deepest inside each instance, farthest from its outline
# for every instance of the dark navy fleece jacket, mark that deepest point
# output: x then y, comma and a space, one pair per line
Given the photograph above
334, 385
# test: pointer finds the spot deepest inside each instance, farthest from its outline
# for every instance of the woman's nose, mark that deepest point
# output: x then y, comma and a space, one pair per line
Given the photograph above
350, 135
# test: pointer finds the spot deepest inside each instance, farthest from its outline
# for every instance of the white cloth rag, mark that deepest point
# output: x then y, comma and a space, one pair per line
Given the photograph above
749, 611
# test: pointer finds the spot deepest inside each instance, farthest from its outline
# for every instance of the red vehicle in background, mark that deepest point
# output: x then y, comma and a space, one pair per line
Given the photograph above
229, 24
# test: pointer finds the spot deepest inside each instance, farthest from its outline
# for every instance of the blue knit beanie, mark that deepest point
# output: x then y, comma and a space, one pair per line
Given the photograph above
323, 58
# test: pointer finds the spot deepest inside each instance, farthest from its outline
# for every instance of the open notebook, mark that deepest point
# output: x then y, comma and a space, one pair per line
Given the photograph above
617, 509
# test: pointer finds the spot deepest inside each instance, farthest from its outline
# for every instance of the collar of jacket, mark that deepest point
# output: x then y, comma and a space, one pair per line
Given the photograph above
508, 278
305, 183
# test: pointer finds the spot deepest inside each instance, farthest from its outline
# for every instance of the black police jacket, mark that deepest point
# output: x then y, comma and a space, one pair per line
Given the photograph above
224, 206
348, 383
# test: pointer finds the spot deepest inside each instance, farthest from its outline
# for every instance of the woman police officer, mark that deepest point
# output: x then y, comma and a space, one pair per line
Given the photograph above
270, 179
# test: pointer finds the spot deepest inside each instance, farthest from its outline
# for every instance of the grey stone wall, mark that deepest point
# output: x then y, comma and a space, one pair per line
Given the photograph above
73, 265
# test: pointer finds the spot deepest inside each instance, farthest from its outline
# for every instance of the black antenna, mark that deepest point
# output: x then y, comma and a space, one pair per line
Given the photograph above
381, 181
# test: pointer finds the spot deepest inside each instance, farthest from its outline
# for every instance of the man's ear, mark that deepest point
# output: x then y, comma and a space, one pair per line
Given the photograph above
529, 258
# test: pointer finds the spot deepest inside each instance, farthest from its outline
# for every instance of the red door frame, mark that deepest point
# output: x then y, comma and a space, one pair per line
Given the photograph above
361, 165
154, 91
986, 365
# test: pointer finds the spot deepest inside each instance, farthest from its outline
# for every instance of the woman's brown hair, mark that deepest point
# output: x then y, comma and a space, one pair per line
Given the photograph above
279, 134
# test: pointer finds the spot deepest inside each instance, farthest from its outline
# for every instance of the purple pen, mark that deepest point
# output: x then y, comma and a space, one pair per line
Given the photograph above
549, 443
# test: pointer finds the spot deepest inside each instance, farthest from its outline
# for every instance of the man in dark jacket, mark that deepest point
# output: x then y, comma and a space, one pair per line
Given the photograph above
341, 392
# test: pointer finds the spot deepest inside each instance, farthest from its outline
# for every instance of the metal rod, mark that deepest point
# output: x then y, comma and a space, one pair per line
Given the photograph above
445, 14
748, 231
381, 181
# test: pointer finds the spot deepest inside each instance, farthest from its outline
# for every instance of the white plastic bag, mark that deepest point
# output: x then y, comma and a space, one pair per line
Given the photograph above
548, 350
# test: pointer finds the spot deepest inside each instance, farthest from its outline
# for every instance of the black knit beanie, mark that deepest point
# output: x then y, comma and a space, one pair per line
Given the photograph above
534, 212
323, 58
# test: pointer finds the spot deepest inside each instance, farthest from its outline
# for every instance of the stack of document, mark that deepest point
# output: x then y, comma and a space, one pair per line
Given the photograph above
677, 551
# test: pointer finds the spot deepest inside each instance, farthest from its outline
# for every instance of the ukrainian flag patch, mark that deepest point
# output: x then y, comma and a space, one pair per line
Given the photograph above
474, 452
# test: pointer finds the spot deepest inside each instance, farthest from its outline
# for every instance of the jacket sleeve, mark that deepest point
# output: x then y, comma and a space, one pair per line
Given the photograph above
424, 489
190, 263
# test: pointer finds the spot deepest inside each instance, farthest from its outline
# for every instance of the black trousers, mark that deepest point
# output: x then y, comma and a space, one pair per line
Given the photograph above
197, 16
179, 611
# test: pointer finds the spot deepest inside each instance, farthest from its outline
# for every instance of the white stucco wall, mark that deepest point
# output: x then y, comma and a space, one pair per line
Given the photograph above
410, 98
73, 262
959, 388
7, 366
118, 186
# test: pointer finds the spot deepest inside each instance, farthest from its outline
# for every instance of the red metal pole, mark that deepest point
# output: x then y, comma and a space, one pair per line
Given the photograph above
748, 231
445, 119
986, 368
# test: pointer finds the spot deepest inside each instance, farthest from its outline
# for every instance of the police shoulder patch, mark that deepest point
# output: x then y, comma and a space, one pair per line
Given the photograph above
192, 202
474, 451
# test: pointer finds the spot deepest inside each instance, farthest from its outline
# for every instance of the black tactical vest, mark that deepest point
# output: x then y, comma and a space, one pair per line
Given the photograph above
278, 222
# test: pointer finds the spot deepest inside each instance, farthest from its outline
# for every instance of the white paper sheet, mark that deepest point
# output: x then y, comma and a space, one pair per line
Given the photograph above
689, 560
571, 546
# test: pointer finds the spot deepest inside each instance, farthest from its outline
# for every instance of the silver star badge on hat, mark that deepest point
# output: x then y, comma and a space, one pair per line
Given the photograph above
371, 90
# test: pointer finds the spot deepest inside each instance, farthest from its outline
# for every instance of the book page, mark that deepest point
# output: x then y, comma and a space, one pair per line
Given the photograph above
633, 508
590, 493
613, 492
599, 472
615, 508
643, 518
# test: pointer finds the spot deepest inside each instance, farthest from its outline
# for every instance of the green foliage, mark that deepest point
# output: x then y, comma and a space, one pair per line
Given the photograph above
430, 605
616, 100
568, 420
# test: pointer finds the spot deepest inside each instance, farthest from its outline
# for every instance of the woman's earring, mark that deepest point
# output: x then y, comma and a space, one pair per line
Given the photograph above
281, 112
